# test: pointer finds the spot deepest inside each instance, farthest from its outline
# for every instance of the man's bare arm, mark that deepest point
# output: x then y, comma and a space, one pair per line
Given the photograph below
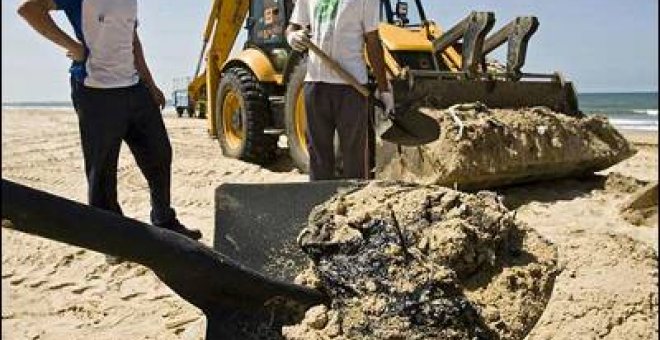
377, 60
143, 71
36, 13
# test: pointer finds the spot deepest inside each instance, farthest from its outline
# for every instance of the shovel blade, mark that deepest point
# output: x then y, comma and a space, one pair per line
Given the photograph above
257, 224
412, 128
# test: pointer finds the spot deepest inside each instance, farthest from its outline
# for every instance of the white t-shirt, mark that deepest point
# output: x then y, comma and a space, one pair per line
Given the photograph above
338, 28
106, 28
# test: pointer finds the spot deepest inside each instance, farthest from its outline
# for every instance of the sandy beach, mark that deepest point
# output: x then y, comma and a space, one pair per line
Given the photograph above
606, 289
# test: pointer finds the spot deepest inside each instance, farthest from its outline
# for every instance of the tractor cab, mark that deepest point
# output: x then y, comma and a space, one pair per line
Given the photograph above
266, 25
267, 22
401, 14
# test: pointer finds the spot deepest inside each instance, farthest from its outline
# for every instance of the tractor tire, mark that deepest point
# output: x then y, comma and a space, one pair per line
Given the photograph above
242, 114
295, 118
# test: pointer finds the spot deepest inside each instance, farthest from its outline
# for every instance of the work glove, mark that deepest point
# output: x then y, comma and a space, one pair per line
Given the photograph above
385, 113
298, 39
387, 98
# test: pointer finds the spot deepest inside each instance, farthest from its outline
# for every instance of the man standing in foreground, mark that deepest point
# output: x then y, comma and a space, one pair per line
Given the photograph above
115, 98
340, 28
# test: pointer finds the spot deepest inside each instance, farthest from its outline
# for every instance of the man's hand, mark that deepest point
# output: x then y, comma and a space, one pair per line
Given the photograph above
76, 52
387, 98
145, 74
384, 115
158, 96
298, 40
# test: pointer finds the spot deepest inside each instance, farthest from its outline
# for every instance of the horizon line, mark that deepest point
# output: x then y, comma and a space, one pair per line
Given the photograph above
169, 100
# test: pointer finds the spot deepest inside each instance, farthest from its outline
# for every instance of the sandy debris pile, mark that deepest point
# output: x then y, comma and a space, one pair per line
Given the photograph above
616, 182
423, 262
481, 147
641, 205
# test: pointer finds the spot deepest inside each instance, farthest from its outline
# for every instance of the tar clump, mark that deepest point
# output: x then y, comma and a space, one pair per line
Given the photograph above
422, 262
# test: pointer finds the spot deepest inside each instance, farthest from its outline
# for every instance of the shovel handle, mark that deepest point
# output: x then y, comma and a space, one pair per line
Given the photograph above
334, 65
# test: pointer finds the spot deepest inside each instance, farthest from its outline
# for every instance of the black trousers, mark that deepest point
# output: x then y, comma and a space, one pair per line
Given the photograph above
106, 117
339, 107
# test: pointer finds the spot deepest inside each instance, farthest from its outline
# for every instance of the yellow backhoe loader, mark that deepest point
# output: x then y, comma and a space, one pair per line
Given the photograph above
252, 98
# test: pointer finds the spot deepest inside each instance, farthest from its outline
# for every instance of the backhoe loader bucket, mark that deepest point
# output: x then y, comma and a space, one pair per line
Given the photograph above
440, 90
499, 126
497, 132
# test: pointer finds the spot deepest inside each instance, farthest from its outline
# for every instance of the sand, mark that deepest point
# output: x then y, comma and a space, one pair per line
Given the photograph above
607, 288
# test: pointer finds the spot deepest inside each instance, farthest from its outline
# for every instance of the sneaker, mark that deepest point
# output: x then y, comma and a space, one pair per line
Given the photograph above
176, 226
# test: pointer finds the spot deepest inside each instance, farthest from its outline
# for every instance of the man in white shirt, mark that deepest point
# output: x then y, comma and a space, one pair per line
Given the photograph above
341, 28
115, 97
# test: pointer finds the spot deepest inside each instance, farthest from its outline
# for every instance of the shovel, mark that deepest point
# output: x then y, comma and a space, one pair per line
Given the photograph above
409, 127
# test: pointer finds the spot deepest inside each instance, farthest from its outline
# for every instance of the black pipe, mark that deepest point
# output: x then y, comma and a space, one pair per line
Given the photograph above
202, 276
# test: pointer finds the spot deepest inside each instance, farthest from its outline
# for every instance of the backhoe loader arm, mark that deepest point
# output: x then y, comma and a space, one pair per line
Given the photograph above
222, 26
226, 19
210, 22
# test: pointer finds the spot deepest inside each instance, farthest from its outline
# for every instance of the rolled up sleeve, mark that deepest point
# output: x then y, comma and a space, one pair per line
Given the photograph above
300, 14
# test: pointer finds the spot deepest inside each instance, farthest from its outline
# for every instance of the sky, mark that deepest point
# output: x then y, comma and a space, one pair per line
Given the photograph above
601, 45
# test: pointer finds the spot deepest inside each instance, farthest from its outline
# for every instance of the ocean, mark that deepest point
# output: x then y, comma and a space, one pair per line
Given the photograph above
58, 106
628, 111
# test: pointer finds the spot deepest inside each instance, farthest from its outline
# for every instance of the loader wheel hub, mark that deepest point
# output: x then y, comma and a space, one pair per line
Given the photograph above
232, 120
300, 119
